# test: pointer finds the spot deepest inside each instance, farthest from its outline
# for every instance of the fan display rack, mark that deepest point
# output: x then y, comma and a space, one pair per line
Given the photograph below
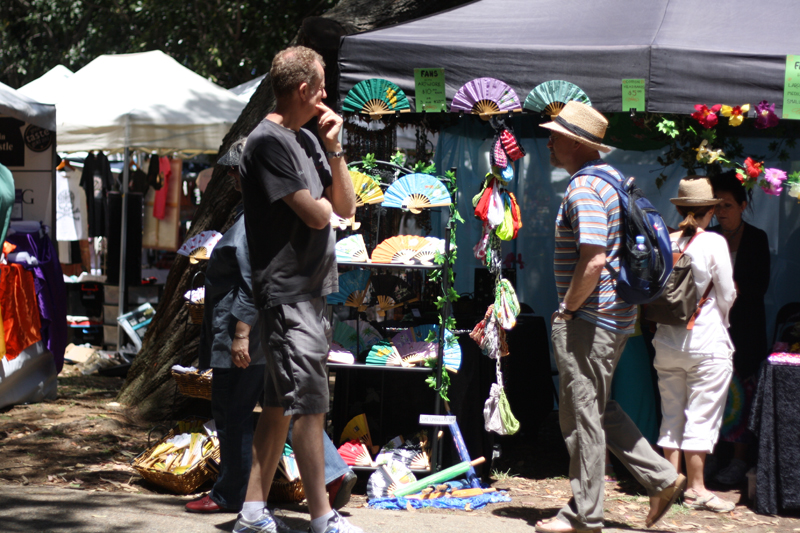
436, 449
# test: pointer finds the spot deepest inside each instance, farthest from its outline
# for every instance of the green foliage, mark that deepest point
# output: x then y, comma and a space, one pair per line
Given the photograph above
369, 162
398, 159
228, 42
667, 127
422, 167
431, 380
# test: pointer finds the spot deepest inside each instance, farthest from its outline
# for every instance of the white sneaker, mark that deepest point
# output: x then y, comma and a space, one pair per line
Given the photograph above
339, 524
733, 474
266, 523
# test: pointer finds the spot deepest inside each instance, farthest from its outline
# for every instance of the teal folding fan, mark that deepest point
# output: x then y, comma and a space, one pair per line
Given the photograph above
375, 97
352, 289
551, 96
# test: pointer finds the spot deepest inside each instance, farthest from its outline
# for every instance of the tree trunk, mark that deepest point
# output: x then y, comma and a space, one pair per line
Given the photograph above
170, 339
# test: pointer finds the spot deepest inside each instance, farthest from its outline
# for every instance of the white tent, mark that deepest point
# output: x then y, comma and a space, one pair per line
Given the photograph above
22, 107
47, 86
146, 101
246, 90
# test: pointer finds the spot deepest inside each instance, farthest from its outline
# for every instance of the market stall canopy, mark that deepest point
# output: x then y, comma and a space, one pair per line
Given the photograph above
19, 106
146, 101
688, 53
46, 87
246, 90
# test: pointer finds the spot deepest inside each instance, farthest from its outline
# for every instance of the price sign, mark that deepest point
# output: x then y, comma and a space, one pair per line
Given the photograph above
633, 94
436, 420
429, 91
791, 88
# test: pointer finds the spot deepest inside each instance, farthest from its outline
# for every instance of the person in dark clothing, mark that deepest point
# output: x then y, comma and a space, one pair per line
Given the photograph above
749, 249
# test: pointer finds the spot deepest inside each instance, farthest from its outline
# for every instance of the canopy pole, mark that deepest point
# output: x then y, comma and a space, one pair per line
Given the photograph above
123, 240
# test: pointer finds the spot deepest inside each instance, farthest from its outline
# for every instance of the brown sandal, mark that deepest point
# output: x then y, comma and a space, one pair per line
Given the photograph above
666, 498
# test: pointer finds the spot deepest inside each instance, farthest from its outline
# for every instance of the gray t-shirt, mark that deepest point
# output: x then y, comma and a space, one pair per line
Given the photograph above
290, 261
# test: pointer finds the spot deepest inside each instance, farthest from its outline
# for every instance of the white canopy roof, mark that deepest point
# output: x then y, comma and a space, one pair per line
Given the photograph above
246, 90
19, 106
48, 85
145, 101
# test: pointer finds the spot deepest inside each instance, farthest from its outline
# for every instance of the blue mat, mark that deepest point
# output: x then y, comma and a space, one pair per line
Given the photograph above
475, 502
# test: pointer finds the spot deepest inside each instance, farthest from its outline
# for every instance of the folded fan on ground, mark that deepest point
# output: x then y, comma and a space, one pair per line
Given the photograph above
551, 96
352, 249
399, 249
367, 189
485, 96
416, 192
375, 97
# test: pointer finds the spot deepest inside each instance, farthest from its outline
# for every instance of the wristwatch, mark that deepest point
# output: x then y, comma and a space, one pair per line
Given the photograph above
335, 154
564, 312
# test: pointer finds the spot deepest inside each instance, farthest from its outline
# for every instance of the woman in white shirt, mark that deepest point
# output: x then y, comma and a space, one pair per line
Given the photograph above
695, 365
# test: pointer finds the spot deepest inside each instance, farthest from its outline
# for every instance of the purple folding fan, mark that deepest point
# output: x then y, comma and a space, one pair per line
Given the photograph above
485, 96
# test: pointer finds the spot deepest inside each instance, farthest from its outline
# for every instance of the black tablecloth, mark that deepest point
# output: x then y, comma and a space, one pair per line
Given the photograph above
776, 421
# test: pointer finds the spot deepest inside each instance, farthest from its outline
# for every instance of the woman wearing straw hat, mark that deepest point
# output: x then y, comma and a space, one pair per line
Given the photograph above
695, 365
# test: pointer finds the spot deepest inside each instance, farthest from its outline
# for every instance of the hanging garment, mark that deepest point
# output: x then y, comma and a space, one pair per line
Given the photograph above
160, 201
71, 207
96, 181
21, 321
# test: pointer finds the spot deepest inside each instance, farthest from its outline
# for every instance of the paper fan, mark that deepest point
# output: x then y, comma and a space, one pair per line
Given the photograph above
352, 249
485, 96
340, 223
357, 429
352, 289
416, 192
367, 333
384, 353
399, 249
427, 253
390, 292
416, 352
421, 462
551, 96
200, 246
405, 337
383, 482
452, 350
375, 97
368, 191
337, 354
355, 453
346, 336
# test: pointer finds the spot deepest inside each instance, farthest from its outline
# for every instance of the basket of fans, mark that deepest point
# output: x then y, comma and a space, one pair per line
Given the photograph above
192, 382
183, 460
287, 486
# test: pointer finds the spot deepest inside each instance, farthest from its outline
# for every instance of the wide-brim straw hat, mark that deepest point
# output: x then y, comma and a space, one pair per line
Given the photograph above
695, 191
234, 154
581, 123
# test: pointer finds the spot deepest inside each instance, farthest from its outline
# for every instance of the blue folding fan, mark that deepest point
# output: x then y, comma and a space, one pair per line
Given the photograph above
352, 289
551, 96
485, 96
452, 350
352, 249
416, 192
375, 97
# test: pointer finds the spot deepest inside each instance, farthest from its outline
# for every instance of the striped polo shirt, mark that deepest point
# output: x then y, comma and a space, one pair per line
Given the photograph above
592, 206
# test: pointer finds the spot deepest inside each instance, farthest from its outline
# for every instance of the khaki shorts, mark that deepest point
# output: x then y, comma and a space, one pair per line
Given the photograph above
296, 338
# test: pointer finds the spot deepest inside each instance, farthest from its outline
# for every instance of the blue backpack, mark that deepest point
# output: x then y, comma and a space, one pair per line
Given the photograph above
644, 270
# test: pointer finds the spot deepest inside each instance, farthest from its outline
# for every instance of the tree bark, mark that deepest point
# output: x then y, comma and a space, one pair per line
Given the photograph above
170, 339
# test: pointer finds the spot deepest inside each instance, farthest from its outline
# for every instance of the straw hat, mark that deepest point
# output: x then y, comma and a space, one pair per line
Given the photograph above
232, 156
581, 123
695, 191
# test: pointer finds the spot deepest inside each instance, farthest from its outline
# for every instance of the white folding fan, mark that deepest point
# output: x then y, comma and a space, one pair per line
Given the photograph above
399, 249
368, 190
340, 223
416, 192
200, 246
352, 289
551, 96
352, 249
427, 253
485, 96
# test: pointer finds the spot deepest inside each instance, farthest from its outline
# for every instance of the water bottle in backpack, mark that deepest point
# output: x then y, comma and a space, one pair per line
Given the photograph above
641, 258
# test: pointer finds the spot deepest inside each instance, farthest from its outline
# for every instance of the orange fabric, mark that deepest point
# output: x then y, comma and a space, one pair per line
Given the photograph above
515, 214
21, 323
8, 247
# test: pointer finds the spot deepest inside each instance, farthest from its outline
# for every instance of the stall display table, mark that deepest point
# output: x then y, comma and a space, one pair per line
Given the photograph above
775, 419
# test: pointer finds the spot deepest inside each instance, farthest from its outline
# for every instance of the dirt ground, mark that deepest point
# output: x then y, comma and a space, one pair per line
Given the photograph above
84, 440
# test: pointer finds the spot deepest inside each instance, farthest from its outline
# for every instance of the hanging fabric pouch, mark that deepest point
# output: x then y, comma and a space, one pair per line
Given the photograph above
512, 147
510, 424
482, 208
505, 230
506, 305
516, 214
496, 213
498, 156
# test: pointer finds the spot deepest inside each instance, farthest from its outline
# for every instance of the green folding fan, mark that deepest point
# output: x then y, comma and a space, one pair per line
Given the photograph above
551, 96
375, 97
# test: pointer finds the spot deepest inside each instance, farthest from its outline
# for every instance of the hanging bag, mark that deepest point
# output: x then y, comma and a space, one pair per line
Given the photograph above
497, 415
678, 304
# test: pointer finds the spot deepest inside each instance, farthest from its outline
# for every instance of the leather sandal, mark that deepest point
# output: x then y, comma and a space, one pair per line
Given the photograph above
554, 525
666, 498
711, 502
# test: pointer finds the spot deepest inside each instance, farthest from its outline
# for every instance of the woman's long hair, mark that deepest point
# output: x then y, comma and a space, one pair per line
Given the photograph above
690, 216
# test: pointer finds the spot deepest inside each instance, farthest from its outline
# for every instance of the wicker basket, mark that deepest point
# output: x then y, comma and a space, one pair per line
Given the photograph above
185, 483
283, 491
196, 311
194, 384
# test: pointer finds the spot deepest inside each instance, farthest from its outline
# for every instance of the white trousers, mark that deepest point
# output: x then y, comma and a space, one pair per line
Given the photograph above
693, 389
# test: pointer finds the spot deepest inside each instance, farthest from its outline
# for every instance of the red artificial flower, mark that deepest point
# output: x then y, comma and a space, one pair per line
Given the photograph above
753, 168
705, 116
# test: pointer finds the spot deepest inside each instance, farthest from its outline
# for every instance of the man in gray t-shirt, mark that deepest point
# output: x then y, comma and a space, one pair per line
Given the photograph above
290, 186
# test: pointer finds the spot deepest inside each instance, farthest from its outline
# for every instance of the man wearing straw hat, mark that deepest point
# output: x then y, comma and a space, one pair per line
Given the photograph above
590, 329
290, 186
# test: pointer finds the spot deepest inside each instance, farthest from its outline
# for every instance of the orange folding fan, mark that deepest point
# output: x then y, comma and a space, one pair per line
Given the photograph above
400, 249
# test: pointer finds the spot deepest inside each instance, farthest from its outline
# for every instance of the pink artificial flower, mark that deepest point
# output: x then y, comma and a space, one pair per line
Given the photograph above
705, 116
773, 180
765, 115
